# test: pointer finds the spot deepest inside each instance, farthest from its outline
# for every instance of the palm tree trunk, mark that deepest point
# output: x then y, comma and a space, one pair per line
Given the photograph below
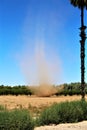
82, 16
82, 42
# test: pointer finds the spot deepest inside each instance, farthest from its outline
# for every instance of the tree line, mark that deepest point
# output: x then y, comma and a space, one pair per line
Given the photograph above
71, 89
63, 89
15, 90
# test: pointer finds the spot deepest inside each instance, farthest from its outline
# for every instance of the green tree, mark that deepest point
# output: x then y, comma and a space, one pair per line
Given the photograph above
82, 4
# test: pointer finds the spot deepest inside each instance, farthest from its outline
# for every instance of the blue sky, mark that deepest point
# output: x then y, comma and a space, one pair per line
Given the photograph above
48, 28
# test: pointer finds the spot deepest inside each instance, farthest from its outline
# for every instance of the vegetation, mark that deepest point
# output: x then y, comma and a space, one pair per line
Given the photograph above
66, 112
70, 89
16, 90
82, 4
64, 89
2, 108
16, 120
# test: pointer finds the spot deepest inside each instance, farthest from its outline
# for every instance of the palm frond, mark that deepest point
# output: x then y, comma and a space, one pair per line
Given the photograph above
79, 3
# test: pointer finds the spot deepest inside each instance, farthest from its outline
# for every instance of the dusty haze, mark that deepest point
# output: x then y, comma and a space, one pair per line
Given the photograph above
41, 68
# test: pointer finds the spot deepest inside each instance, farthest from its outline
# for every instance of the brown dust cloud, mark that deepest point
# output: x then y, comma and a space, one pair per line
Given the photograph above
41, 70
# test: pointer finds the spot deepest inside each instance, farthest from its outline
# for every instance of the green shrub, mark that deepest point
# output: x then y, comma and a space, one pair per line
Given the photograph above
16, 120
2, 108
83, 104
64, 112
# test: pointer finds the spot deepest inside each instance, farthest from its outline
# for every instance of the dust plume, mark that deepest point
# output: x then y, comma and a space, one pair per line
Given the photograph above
44, 73
39, 63
41, 69
44, 90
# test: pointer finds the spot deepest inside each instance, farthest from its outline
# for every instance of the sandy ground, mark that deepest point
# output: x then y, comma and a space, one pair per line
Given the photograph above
68, 126
12, 102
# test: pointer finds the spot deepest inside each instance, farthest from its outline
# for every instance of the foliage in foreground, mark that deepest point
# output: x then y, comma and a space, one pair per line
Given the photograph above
67, 112
2, 108
16, 120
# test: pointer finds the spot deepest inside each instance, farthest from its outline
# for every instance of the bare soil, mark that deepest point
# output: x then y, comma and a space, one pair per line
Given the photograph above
34, 104
12, 102
68, 126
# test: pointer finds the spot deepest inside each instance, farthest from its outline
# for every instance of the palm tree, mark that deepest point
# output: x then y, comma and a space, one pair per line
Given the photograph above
82, 4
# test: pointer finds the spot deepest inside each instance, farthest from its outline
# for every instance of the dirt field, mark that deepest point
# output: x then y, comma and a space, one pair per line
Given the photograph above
12, 102
37, 104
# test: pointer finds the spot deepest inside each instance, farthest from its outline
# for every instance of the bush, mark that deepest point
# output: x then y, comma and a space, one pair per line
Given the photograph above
2, 108
66, 112
16, 120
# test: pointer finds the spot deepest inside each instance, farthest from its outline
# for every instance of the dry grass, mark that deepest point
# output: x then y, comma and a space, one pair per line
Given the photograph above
12, 102
37, 104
